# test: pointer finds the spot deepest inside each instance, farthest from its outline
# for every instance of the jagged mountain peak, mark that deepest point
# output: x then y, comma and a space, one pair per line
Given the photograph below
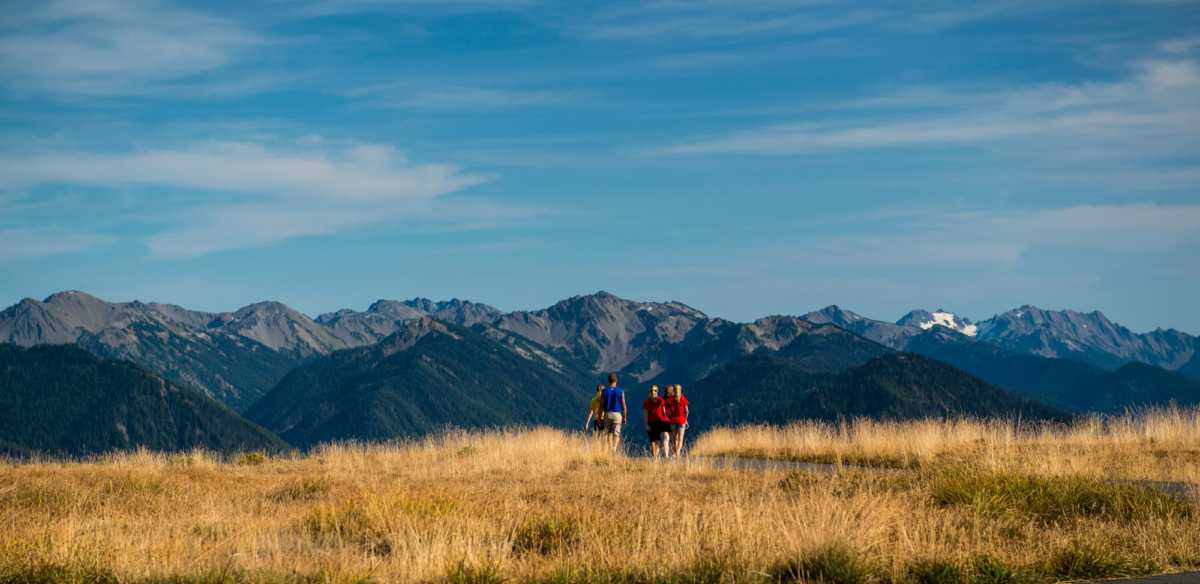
279, 327
1086, 336
72, 296
926, 320
605, 330
410, 332
834, 314
328, 317
267, 307
400, 310
455, 310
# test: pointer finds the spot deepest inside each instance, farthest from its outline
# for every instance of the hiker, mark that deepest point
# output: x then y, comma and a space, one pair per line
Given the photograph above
657, 429
595, 419
615, 411
677, 415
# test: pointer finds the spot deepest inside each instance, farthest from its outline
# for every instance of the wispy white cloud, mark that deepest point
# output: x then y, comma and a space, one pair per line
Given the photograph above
459, 97
339, 172
722, 19
316, 8
1159, 99
210, 229
1003, 238
253, 194
115, 47
1181, 45
24, 243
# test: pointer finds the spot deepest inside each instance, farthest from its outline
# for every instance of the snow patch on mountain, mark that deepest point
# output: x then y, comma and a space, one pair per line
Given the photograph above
950, 321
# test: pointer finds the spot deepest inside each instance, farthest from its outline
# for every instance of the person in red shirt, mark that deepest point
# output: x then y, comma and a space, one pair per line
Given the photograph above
658, 430
676, 409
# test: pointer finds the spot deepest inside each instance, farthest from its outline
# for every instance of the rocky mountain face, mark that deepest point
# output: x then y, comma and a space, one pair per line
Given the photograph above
62, 400
234, 357
605, 331
1064, 334
650, 342
238, 357
181, 345
886, 333
1090, 337
279, 327
383, 318
925, 320
427, 376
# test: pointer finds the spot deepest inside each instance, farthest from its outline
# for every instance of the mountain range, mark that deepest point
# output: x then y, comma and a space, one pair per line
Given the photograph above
60, 399
1062, 334
427, 375
404, 368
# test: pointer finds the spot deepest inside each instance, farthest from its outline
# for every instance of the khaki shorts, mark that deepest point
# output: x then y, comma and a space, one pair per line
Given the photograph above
612, 423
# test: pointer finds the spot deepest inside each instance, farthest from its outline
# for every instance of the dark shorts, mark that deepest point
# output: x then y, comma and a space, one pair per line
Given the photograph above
656, 430
597, 425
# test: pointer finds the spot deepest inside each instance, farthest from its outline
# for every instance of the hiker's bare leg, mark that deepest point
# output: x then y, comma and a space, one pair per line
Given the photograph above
679, 442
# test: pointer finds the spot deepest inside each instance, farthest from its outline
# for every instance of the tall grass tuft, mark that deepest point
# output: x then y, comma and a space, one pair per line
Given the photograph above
935, 572
546, 537
1052, 499
1088, 560
832, 564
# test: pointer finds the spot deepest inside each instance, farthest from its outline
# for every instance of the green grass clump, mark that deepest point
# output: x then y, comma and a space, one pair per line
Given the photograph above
546, 537
250, 458
1079, 561
1055, 499
463, 573
935, 572
988, 570
347, 523
835, 564
838, 459
715, 570
54, 574
308, 489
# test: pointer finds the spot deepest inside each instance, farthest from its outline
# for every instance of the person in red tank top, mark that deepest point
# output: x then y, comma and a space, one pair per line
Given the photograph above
677, 415
658, 429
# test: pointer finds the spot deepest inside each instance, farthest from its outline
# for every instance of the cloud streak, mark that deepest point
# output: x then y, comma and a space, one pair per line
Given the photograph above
110, 47
459, 97
25, 243
253, 194
355, 171
1159, 100
1004, 238
718, 20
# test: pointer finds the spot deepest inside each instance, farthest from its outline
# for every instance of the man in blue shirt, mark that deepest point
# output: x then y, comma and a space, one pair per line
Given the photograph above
615, 411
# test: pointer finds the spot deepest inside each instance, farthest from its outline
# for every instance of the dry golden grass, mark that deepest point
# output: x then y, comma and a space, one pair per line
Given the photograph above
1162, 445
542, 505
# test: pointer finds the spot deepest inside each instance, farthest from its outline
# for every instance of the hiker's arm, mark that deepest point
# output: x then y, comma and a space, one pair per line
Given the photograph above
624, 409
589, 419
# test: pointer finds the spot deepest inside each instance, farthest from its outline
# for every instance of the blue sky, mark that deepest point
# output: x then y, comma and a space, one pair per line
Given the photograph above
745, 158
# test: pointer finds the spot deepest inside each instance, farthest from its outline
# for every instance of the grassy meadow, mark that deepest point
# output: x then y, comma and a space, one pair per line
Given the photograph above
927, 501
